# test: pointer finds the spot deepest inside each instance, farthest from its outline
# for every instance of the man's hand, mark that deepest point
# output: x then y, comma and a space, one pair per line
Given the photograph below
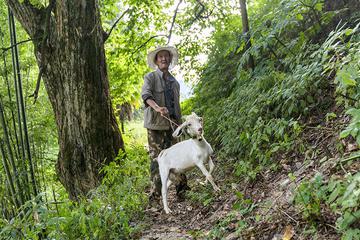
162, 110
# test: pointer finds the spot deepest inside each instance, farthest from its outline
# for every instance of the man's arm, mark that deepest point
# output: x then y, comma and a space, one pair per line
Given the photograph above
146, 95
162, 110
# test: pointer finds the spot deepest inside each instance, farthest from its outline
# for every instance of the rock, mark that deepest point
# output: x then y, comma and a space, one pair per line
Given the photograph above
234, 186
232, 236
277, 237
284, 184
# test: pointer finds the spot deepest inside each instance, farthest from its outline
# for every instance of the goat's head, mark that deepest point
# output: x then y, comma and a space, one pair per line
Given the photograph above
193, 126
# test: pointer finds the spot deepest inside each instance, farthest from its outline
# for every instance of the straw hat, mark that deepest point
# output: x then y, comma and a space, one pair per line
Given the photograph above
173, 54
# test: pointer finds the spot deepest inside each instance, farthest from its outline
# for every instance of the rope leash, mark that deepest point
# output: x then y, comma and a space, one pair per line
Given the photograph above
177, 125
171, 122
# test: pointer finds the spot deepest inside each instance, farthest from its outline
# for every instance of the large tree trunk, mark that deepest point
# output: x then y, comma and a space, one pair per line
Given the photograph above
245, 26
74, 72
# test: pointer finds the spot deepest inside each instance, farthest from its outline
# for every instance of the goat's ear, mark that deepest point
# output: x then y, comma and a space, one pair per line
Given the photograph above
184, 117
177, 133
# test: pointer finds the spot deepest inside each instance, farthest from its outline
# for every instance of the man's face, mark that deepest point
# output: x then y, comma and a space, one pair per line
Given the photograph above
163, 60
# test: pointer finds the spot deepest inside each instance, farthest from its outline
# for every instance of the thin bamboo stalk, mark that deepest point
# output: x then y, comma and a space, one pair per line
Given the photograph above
21, 99
16, 89
7, 141
17, 153
23, 169
9, 178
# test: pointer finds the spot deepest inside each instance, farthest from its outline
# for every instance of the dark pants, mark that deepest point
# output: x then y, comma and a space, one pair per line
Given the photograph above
159, 140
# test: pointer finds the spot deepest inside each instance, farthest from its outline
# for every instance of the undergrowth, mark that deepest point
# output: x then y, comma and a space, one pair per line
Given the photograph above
341, 195
105, 213
302, 75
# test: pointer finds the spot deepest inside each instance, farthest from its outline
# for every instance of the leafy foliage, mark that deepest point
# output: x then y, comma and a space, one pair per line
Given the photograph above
255, 115
306, 65
126, 48
310, 194
340, 195
105, 213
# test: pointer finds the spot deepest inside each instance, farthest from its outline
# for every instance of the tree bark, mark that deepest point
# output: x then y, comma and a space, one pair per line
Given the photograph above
245, 25
74, 72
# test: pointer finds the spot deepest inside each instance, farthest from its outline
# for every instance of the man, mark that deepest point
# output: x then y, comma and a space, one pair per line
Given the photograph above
160, 93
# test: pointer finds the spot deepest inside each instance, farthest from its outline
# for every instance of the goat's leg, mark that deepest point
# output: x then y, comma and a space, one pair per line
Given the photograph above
211, 165
208, 176
164, 174
211, 168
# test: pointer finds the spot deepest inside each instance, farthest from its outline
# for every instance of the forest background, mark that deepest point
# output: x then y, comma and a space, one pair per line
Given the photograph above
278, 89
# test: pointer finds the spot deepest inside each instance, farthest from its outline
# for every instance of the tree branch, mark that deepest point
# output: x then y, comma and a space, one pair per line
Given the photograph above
173, 22
107, 35
199, 15
283, 44
42, 49
144, 44
18, 43
37, 88
203, 8
28, 15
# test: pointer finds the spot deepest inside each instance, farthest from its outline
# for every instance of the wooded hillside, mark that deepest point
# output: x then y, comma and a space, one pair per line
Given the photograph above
277, 83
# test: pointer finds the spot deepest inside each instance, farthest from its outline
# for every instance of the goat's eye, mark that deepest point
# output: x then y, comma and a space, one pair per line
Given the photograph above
189, 124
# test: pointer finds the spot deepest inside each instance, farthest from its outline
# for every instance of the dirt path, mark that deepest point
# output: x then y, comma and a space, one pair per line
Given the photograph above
189, 219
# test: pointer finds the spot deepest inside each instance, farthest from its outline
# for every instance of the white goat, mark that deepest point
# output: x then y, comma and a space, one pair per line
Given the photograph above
185, 155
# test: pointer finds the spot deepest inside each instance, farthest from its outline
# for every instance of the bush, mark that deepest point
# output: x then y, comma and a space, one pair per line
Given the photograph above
105, 213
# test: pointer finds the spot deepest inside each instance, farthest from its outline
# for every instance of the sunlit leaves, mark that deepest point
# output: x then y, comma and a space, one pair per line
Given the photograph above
347, 76
353, 128
126, 49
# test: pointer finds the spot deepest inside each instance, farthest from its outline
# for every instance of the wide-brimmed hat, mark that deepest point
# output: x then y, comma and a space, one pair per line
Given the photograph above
173, 54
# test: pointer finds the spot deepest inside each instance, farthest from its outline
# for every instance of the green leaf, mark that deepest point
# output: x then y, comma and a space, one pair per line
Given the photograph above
319, 6
345, 79
358, 139
350, 189
265, 137
355, 113
348, 32
330, 116
292, 177
299, 17
351, 234
345, 133
275, 149
240, 48
334, 195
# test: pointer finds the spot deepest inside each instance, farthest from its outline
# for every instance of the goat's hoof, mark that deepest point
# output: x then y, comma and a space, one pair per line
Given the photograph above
167, 211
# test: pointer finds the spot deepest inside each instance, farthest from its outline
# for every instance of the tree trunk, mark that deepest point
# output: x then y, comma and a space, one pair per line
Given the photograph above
245, 25
73, 66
